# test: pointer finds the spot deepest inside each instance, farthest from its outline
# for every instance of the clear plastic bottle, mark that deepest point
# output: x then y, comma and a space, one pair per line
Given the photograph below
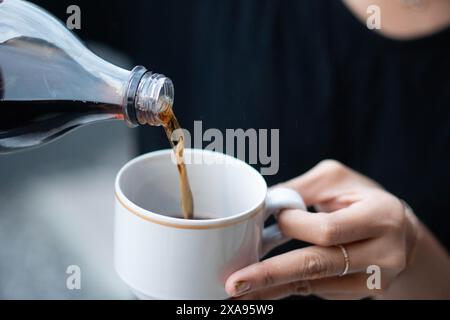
50, 83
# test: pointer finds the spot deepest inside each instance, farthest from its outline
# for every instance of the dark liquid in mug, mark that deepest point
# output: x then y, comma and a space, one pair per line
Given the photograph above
180, 216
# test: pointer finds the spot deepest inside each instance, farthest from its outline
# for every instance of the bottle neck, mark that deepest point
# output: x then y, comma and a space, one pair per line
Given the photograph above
149, 96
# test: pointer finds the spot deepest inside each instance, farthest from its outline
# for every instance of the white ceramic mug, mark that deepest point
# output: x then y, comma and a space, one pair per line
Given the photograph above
163, 257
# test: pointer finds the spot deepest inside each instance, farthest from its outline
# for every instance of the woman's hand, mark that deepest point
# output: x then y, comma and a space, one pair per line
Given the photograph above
374, 227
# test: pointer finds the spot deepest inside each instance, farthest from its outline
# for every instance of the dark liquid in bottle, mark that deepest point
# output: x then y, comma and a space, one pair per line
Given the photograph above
31, 71
25, 124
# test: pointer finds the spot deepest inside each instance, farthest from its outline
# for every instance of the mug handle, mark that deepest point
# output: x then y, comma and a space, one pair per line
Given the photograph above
278, 199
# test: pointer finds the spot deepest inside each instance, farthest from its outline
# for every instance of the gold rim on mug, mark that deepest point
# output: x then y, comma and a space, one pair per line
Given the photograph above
182, 226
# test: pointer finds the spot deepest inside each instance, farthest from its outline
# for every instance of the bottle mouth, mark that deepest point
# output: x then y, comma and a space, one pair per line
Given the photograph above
154, 97
149, 95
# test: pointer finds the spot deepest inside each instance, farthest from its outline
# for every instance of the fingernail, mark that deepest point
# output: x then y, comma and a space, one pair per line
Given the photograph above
241, 287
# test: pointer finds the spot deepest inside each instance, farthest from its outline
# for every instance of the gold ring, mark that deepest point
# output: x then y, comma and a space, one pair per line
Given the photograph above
346, 259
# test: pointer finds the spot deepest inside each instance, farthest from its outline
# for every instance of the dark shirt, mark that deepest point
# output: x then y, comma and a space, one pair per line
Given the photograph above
310, 68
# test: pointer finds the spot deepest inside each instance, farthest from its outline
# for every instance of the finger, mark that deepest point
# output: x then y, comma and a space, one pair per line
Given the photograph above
337, 203
351, 286
302, 264
326, 181
317, 185
297, 288
341, 296
350, 224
